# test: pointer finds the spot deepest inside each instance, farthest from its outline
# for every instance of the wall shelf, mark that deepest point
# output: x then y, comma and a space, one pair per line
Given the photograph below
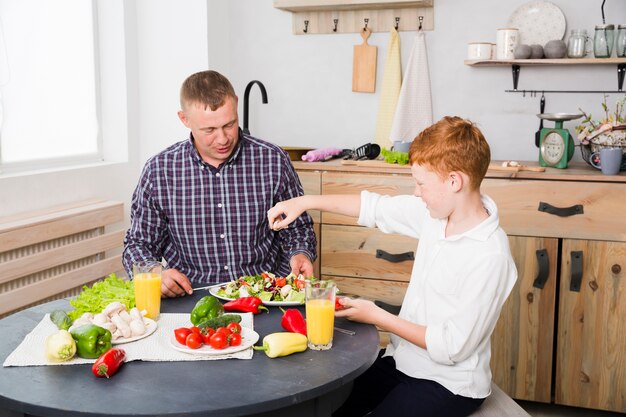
516, 65
351, 16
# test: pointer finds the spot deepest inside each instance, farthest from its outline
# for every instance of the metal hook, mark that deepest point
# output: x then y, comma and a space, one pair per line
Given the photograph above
366, 20
397, 22
306, 26
421, 19
335, 21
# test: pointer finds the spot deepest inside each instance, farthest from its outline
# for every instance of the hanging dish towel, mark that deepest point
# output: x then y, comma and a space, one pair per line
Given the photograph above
414, 111
392, 80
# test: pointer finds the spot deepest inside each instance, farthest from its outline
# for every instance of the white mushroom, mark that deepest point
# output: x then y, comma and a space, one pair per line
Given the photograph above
116, 334
137, 327
121, 325
135, 314
109, 326
125, 316
113, 308
100, 319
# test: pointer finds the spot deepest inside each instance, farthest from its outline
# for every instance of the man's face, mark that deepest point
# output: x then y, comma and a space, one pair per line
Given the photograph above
215, 132
434, 191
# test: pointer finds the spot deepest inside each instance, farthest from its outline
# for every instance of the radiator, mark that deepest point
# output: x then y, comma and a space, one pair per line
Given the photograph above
52, 255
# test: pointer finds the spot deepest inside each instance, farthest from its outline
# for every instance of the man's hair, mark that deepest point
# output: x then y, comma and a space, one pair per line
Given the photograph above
452, 144
208, 88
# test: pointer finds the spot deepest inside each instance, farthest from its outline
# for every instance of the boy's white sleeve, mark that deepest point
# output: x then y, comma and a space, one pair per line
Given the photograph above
401, 214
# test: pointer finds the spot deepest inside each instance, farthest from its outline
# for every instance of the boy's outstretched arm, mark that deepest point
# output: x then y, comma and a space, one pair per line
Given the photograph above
285, 212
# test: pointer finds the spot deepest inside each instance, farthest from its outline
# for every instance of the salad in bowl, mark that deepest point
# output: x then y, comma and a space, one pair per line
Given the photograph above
267, 286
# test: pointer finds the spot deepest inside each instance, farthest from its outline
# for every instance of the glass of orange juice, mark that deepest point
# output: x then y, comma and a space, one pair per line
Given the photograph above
147, 281
320, 313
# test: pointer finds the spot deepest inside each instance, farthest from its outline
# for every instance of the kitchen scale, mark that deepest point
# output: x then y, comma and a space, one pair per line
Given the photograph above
556, 145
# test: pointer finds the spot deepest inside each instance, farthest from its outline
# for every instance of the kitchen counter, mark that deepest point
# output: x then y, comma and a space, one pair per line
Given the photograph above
577, 171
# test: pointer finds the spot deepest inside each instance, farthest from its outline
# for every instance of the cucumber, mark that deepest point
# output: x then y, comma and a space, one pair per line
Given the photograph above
220, 321
61, 319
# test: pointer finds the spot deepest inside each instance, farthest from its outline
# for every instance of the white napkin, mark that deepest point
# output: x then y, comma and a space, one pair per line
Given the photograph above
156, 347
414, 111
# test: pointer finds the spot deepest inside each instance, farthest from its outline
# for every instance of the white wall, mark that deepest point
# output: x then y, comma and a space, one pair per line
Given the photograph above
308, 78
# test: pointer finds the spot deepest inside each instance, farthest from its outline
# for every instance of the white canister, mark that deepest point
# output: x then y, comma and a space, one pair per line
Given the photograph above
478, 50
506, 41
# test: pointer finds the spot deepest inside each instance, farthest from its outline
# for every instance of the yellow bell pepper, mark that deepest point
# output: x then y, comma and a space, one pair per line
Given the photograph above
283, 344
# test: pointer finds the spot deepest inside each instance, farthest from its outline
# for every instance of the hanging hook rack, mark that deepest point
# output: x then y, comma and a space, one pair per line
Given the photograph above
366, 20
306, 26
421, 20
335, 22
397, 23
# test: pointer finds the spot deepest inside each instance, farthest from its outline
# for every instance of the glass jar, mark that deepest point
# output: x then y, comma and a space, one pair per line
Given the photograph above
603, 41
620, 43
576, 43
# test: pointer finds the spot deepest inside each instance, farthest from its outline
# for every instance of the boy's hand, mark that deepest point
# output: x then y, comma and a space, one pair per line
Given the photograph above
360, 310
284, 213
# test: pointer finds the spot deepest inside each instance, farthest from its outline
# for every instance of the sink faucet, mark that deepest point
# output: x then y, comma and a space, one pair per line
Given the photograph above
246, 94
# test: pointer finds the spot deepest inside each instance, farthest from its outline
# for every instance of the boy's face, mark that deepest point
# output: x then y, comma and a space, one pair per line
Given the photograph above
435, 191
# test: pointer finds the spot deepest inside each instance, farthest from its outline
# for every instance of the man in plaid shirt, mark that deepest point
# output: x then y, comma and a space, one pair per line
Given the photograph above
201, 203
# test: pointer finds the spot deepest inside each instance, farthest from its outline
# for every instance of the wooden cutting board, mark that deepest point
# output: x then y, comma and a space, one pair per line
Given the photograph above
364, 65
371, 163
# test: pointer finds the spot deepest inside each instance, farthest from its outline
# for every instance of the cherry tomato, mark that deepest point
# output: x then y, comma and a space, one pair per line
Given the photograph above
223, 330
234, 327
338, 305
234, 339
195, 329
181, 334
218, 341
206, 335
281, 282
194, 341
300, 283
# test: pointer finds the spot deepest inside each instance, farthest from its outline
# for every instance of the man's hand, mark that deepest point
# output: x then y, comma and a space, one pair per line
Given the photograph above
174, 284
301, 264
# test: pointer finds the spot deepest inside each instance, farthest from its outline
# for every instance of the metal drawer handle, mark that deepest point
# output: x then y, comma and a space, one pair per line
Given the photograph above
577, 271
544, 268
561, 211
399, 257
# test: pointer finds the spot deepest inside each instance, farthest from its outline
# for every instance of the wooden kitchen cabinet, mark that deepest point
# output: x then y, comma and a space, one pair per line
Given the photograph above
551, 343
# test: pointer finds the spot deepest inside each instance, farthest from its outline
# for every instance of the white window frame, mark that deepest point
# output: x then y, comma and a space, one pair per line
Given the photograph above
111, 96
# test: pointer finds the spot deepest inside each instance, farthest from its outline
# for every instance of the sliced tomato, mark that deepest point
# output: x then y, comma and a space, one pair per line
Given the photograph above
194, 341
234, 327
181, 334
218, 341
281, 282
300, 283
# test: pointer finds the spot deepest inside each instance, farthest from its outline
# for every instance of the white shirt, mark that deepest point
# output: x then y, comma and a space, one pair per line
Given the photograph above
457, 288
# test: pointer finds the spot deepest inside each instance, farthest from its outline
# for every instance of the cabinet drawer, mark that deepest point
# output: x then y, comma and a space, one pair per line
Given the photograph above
351, 251
347, 183
518, 204
391, 292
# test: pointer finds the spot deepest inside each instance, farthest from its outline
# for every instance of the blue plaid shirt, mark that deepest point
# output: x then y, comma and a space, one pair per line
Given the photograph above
211, 223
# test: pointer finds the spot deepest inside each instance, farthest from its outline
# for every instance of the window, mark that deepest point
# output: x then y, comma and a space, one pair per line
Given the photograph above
48, 84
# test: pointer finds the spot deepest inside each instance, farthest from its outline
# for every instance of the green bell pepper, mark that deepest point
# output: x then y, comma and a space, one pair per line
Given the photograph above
206, 308
91, 341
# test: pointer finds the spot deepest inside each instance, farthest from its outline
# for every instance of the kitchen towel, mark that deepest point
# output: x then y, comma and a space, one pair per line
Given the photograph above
390, 90
414, 111
156, 347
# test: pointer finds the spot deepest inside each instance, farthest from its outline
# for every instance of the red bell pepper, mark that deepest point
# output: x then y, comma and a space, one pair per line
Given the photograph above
250, 304
108, 363
293, 321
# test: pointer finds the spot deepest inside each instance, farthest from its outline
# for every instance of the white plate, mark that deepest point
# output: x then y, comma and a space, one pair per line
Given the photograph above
538, 22
248, 338
213, 292
151, 327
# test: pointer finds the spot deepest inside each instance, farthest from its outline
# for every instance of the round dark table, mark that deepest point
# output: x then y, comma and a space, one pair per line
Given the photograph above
311, 383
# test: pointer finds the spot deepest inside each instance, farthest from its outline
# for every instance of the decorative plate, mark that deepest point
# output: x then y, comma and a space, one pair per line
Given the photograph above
538, 22
248, 338
151, 327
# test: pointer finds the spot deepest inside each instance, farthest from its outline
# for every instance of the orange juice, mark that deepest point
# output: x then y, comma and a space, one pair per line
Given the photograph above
148, 293
320, 322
